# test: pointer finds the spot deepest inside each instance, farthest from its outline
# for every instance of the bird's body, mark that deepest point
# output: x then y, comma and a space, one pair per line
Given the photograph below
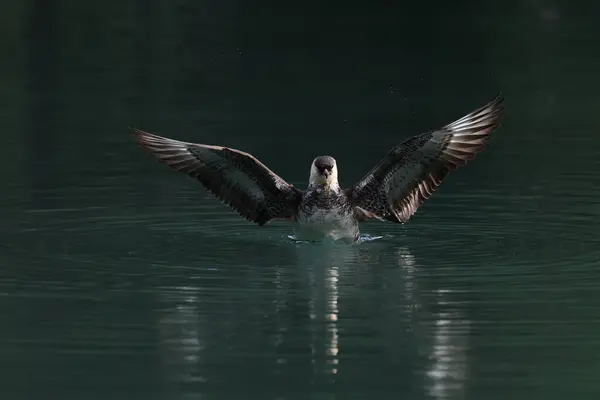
324, 213
391, 191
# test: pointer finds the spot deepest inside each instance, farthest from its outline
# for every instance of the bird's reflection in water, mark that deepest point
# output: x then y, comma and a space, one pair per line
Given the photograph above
340, 273
181, 344
322, 265
447, 371
408, 267
331, 315
281, 289
373, 299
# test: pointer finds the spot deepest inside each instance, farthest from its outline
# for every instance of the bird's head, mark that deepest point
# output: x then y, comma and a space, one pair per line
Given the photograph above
323, 171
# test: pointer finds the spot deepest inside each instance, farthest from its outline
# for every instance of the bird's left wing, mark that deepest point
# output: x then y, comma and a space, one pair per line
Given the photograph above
237, 178
395, 188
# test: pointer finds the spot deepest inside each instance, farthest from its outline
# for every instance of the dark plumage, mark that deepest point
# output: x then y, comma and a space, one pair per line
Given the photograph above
393, 190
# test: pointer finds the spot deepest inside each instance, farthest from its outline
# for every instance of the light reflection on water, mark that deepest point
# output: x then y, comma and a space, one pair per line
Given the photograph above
332, 316
181, 341
448, 370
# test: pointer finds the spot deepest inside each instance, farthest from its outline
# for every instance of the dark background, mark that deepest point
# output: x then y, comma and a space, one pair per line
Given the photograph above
121, 279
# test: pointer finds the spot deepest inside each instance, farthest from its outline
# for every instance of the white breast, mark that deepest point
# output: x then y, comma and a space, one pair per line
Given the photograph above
318, 223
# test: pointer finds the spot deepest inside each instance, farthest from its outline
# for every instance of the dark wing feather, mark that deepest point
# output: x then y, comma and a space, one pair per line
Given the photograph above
236, 178
410, 173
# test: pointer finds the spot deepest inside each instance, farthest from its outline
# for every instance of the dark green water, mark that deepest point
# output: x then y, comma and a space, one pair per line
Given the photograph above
120, 279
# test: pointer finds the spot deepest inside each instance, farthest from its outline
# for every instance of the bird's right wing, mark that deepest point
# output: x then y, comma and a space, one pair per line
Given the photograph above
395, 188
238, 179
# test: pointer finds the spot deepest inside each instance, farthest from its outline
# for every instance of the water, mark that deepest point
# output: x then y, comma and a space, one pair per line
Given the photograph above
121, 279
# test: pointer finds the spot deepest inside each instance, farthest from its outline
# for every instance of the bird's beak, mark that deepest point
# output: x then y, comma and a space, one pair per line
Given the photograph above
326, 173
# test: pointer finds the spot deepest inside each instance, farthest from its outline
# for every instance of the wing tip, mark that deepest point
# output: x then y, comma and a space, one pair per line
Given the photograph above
498, 99
497, 106
493, 106
141, 137
153, 143
136, 131
482, 121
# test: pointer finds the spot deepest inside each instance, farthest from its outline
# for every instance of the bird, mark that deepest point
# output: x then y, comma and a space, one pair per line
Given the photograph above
391, 191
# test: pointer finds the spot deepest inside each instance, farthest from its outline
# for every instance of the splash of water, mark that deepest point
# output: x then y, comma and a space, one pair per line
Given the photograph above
364, 238
368, 238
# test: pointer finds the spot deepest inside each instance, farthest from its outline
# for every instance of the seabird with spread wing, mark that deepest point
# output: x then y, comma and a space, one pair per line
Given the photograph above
392, 191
